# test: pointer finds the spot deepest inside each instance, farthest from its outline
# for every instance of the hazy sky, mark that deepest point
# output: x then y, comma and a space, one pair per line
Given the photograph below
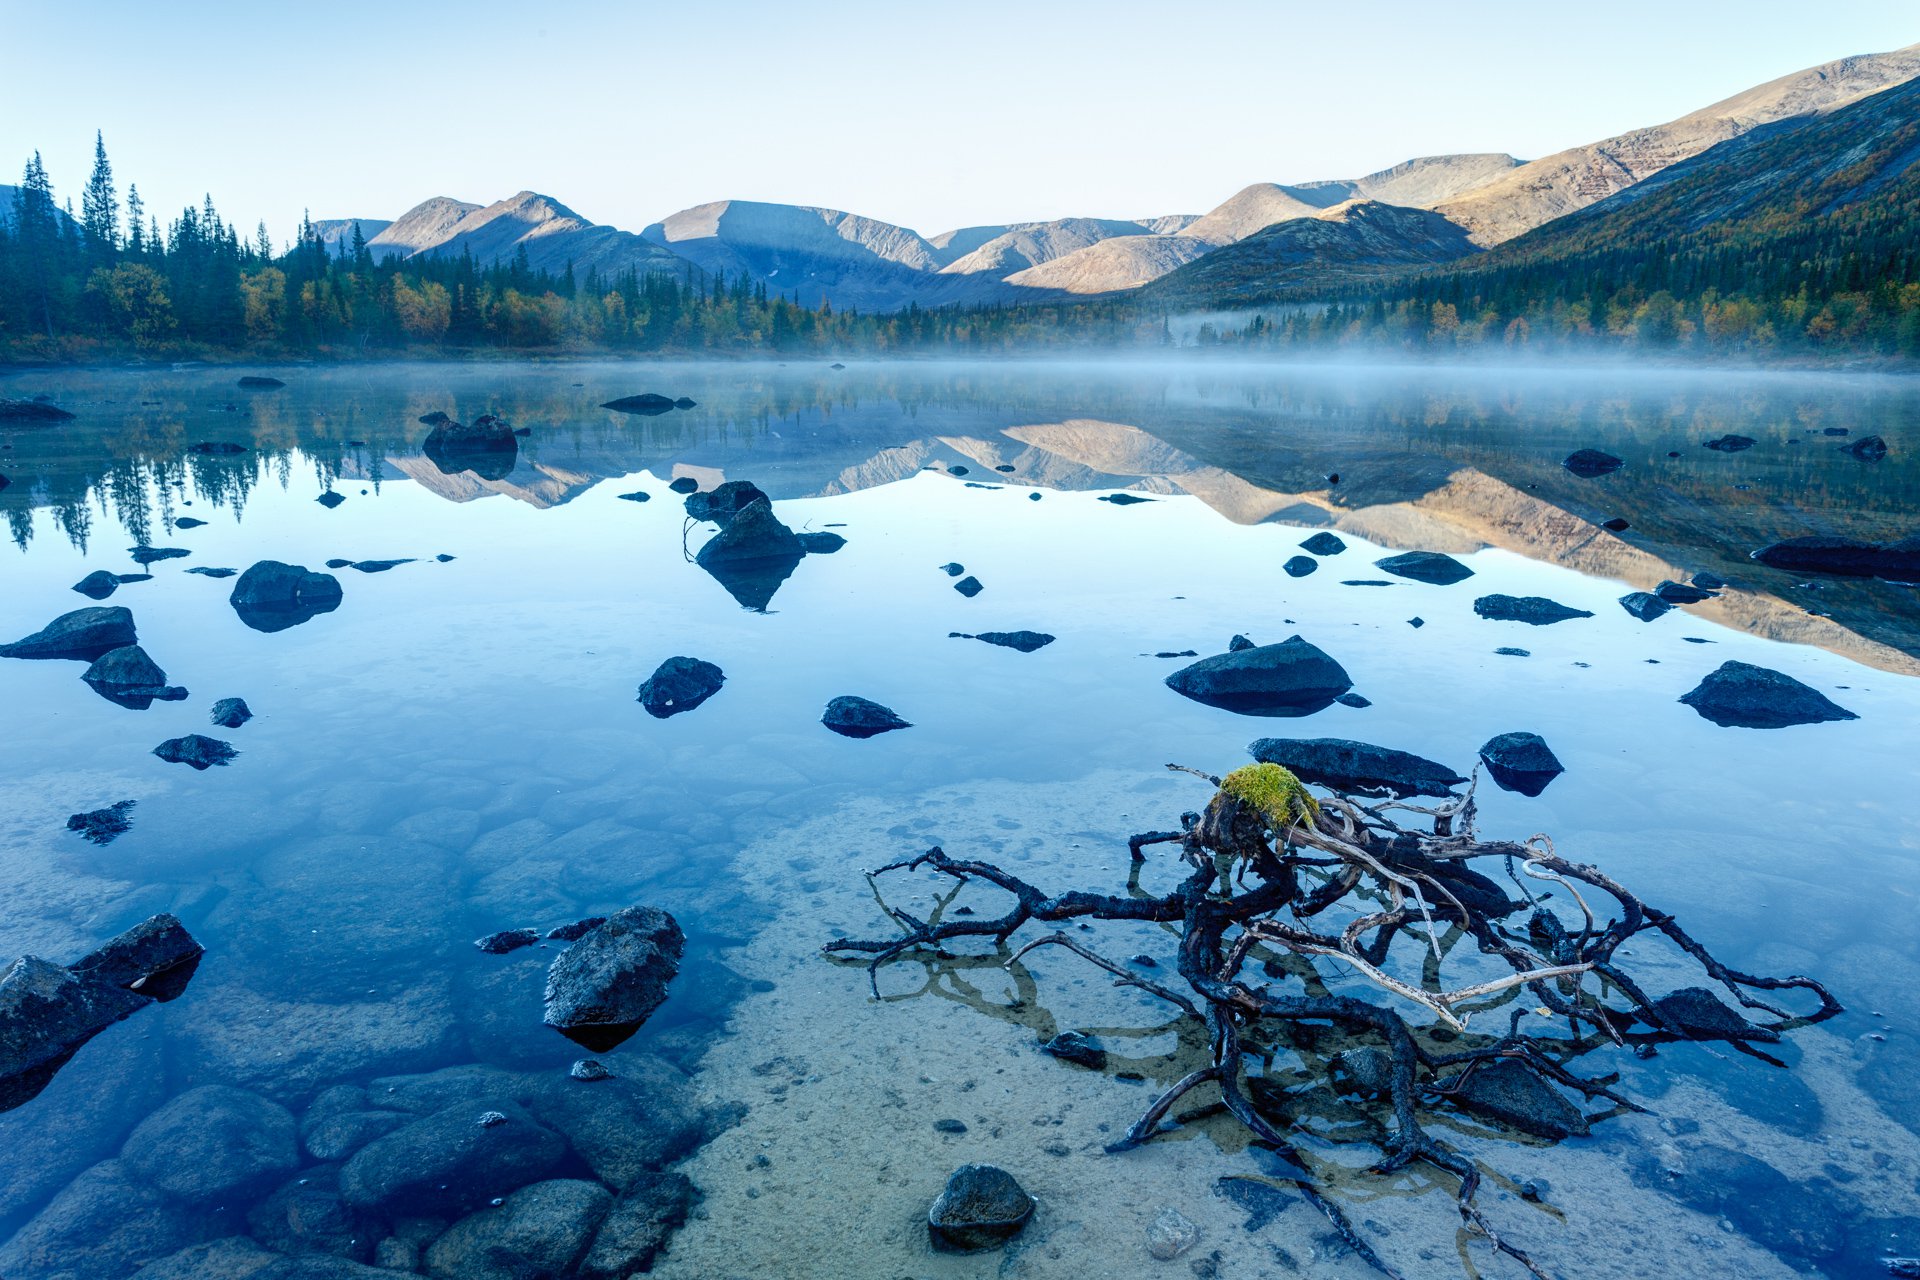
933, 116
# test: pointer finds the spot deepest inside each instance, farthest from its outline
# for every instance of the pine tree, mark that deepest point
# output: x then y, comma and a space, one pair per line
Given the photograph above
100, 206
36, 234
262, 243
136, 216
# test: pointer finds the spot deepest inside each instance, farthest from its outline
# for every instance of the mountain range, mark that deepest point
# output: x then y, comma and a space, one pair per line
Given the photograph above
1266, 239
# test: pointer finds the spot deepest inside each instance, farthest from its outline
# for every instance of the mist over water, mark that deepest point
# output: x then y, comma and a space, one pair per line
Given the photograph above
456, 750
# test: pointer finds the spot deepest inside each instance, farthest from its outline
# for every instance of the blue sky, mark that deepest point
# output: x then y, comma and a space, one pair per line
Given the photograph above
933, 116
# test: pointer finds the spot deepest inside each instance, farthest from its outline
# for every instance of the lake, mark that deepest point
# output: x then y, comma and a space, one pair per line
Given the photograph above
456, 749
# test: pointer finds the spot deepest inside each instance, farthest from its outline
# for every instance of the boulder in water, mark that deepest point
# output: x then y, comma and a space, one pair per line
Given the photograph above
487, 447
1425, 566
1535, 611
231, 713
982, 1206
153, 555
1681, 592
969, 586
1324, 544
1868, 448
539, 1230
1590, 464
852, 717
256, 382
1701, 1014
213, 1142
1117, 499
1293, 678
195, 749
103, 826
752, 533
680, 684
1347, 765
823, 543
1615, 524
1513, 1094
1521, 762
272, 596
1740, 695
610, 981
638, 1226
723, 502
31, 411
455, 1158
1644, 605
100, 584
127, 676
1730, 444
83, 634
1078, 1048
1024, 641
1848, 557
647, 403
1300, 566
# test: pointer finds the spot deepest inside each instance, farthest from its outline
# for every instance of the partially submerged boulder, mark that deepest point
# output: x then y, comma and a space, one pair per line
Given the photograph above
1682, 592
853, 717
1740, 695
100, 584
127, 676
680, 684
1701, 1014
1425, 566
540, 1230
31, 411
1644, 605
981, 1207
1324, 544
1867, 448
1024, 641
647, 403
1346, 765
722, 503
610, 981
752, 555
272, 596
1847, 557
1293, 678
1513, 1094
1730, 443
1535, 611
1590, 464
231, 713
196, 749
1300, 566
487, 447
103, 826
144, 554
1521, 762
83, 634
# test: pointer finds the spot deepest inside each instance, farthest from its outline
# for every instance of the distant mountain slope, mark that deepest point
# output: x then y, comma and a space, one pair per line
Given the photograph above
553, 236
1559, 184
1030, 245
1124, 262
334, 232
850, 259
1420, 184
1336, 247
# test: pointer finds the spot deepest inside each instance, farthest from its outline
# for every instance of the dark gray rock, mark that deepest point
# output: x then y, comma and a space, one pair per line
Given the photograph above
953, 570
46, 1013
127, 676
576, 930
1730, 443
969, 586
231, 713
1521, 762
1366, 1070
853, 717
1346, 765
1075, 1047
1701, 1013
488, 447
213, 1142
753, 534
638, 1226
722, 503
147, 958
684, 484
1300, 566
1024, 641
680, 684
1590, 464
272, 596
335, 1136
449, 1161
981, 1207
229, 1258
306, 1215
1847, 557
105, 1225
540, 1230
1237, 642
628, 1125
1293, 678
1353, 700
1513, 1094
207, 571
1425, 566
1709, 581
1117, 499
83, 634
610, 981
1739, 695
647, 403
1681, 592
638, 495
103, 826
256, 382
1644, 605
1616, 524
1867, 448
1535, 611
100, 584
685, 402
196, 749
1801, 1218
31, 411
1324, 544
331, 499
498, 944
377, 566
823, 543
589, 1071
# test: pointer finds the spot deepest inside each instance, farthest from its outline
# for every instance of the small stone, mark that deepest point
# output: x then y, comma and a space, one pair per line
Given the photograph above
1590, 464
498, 944
231, 713
982, 1206
1300, 566
1324, 544
197, 750
953, 570
1078, 1048
1170, 1234
491, 1119
949, 1126
969, 586
589, 1069
1644, 605
853, 717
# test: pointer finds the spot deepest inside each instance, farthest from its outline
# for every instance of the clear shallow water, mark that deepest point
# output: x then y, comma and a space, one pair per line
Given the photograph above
456, 749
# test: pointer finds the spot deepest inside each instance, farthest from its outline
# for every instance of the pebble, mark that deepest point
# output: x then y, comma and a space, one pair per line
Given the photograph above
589, 1069
488, 1119
1171, 1234
949, 1126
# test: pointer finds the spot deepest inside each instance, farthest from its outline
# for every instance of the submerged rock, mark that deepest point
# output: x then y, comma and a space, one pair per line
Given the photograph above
451, 1160
206, 571
1867, 448
231, 713
100, 584
31, 411
195, 749
1848, 557
153, 555
638, 1226
575, 931
1324, 544
257, 382
648, 403
1521, 762
823, 543
1024, 641
1644, 605
272, 596
1730, 444
103, 826
540, 1230
853, 717
723, 502
1590, 464
1700, 1013
1346, 765
127, 676
498, 944
1075, 1047
1535, 611
212, 1142
106, 1224
610, 981
982, 1206
1425, 566
1740, 695
680, 684
1293, 678
1682, 592
82, 634
306, 1216
1300, 566
627, 1125
1513, 1094
1170, 1234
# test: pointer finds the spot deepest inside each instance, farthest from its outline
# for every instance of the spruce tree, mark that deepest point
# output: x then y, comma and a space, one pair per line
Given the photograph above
100, 206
